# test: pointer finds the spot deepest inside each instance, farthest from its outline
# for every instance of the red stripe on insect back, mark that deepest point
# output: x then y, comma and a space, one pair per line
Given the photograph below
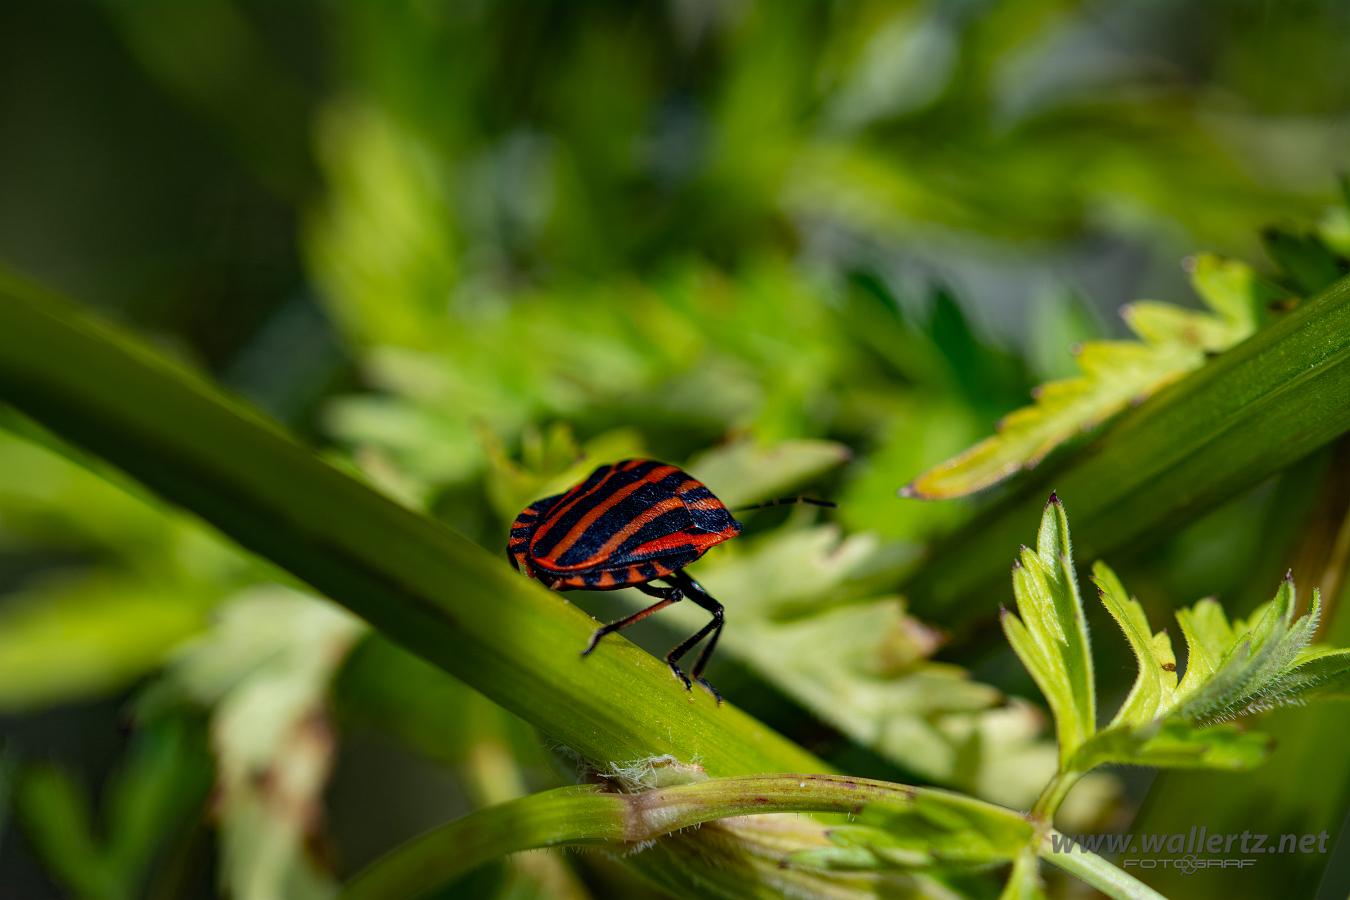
614, 499
555, 515
616, 540
700, 541
666, 543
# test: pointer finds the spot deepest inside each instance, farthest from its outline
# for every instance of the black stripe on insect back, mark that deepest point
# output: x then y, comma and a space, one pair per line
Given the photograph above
577, 503
612, 519
622, 515
668, 523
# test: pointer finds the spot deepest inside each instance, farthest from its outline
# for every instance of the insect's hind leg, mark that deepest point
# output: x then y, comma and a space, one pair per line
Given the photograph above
667, 597
694, 591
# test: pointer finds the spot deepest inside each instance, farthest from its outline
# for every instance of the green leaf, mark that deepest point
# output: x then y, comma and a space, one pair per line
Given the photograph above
1265, 663
1115, 374
1319, 673
1306, 259
1173, 743
109, 630
160, 783
935, 829
1157, 680
59, 822
1233, 670
551, 462
1051, 636
1254, 410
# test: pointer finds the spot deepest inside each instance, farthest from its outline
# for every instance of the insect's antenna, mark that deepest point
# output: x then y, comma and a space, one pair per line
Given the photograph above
786, 501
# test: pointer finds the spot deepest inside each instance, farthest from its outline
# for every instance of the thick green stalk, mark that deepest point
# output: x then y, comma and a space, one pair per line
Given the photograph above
579, 816
1256, 409
425, 587
568, 816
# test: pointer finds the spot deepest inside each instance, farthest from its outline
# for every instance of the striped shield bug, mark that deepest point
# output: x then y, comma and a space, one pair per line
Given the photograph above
630, 524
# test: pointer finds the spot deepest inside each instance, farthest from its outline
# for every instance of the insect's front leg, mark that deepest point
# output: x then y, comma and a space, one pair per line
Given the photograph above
668, 596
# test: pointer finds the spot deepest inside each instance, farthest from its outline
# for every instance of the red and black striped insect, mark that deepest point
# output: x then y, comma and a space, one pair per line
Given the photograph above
627, 525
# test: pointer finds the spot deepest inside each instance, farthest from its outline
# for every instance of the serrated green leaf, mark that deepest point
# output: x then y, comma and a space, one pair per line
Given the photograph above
1115, 374
1174, 744
1320, 672
1234, 291
1157, 679
552, 460
1208, 635
937, 828
1250, 676
1051, 636
1232, 670
1306, 259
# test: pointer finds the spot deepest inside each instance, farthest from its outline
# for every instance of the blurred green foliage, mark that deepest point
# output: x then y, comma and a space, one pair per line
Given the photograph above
473, 249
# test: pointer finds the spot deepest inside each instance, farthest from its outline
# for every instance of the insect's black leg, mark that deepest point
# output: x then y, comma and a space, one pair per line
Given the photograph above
694, 591
668, 596
682, 649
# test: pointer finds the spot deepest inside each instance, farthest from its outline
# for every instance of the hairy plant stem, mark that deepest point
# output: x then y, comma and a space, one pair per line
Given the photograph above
1048, 803
587, 815
1105, 877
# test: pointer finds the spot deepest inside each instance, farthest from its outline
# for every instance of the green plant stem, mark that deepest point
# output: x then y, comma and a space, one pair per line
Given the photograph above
1256, 409
1050, 799
441, 596
1099, 873
586, 815
577, 816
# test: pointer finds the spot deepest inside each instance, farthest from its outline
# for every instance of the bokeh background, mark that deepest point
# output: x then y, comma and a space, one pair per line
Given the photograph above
468, 248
